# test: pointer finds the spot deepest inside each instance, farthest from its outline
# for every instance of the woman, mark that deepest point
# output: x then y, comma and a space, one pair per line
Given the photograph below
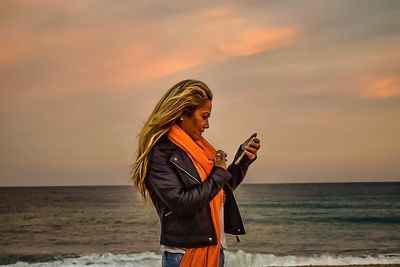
187, 179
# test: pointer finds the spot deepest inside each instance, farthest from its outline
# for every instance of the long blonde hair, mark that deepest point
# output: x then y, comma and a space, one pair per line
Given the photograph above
181, 99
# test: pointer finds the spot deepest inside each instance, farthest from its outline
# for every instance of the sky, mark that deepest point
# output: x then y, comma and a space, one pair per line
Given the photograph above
319, 81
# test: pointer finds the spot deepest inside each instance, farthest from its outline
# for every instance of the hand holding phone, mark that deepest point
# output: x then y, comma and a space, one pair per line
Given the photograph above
220, 159
246, 143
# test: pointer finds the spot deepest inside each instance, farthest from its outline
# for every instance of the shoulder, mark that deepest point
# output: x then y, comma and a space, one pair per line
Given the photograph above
162, 149
164, 144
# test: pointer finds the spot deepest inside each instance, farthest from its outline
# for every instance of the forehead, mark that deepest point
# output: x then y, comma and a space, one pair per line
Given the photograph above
206, 107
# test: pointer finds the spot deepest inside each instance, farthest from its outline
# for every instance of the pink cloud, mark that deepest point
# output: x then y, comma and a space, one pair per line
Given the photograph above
92, 53
380, 87
214, 35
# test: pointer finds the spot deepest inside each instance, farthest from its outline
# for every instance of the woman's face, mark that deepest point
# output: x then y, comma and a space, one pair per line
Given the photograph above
194, 126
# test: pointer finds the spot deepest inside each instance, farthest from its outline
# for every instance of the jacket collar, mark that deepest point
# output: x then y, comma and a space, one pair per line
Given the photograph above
179, 157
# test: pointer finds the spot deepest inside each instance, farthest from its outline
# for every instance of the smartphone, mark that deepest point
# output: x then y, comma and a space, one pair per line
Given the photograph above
242, 153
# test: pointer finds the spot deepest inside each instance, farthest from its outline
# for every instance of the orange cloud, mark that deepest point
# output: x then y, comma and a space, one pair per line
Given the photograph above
252, 41
92, 53
238, 35
9, 55
214, 35
381, 87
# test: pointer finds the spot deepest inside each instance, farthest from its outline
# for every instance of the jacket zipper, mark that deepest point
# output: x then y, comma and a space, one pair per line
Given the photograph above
168, 213
191, 176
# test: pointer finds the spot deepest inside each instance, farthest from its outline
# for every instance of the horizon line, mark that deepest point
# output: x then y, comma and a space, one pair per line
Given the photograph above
104, 185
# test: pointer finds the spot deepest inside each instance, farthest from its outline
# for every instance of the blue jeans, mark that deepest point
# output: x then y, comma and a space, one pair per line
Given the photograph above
170, 259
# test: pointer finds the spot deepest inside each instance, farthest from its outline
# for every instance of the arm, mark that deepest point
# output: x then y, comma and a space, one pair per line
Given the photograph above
239, 171
166, 184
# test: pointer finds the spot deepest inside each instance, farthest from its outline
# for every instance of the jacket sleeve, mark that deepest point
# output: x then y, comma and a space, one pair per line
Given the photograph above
239, 171
166, 184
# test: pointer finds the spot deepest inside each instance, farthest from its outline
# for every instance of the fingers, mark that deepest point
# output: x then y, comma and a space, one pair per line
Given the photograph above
250, 155
253, 147
220, 155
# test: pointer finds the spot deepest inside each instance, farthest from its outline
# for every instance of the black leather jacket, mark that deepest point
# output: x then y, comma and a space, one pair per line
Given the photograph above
181, 198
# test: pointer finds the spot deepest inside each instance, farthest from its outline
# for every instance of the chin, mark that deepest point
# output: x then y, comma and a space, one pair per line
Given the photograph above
196, 137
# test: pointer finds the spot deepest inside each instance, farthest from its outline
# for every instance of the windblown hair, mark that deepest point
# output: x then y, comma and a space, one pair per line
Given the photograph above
182, 99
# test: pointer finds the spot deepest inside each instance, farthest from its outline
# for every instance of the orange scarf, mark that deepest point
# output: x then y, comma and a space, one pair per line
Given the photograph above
202, 155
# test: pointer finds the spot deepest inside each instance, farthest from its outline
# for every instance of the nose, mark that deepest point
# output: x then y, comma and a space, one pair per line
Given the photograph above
206, 125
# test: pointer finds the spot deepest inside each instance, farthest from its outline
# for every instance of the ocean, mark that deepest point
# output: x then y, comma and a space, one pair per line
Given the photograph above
286, 225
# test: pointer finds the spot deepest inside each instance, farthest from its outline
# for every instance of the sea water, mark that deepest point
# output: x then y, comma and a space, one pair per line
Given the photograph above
286, 225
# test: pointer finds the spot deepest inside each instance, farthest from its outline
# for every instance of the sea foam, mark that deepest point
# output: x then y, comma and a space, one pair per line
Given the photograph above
239, 258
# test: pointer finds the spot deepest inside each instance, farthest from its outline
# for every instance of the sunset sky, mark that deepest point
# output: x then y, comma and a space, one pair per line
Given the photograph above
319, 81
